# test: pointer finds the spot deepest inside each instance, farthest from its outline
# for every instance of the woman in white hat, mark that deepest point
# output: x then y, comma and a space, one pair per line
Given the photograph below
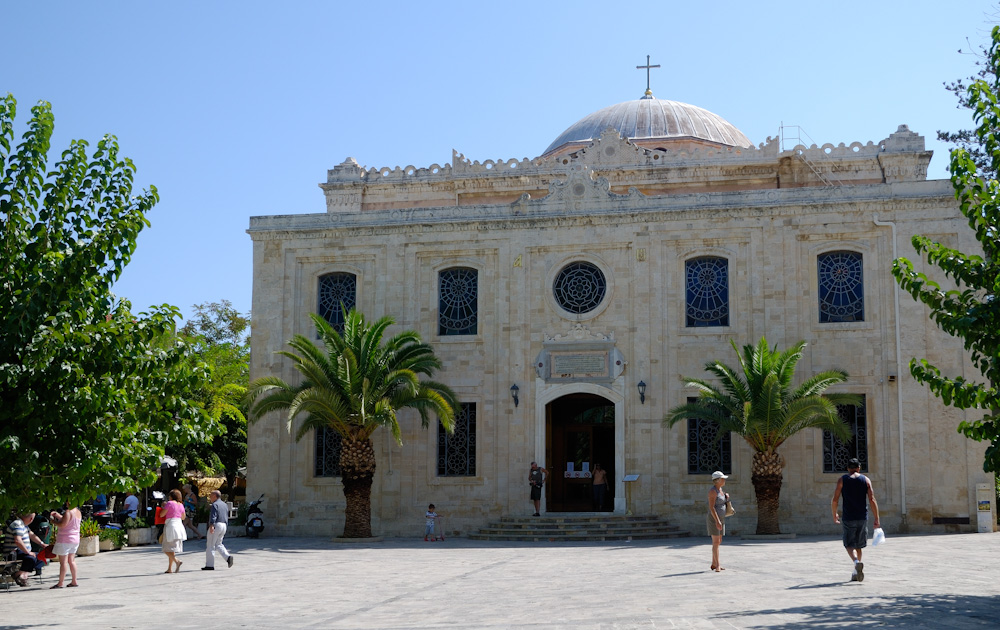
716, 515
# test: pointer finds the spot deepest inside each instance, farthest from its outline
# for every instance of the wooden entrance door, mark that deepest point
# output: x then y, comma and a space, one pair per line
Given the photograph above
580, 429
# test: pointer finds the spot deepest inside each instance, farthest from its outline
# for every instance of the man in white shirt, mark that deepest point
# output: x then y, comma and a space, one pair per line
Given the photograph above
132, 505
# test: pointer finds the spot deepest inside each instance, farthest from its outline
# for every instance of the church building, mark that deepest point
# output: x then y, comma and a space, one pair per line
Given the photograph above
567, 295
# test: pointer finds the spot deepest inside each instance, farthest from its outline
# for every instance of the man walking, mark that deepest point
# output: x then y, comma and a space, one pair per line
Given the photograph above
536, 479
858, 495
218, 520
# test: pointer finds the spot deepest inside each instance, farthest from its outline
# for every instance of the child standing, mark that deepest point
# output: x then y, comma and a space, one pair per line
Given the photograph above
431, 516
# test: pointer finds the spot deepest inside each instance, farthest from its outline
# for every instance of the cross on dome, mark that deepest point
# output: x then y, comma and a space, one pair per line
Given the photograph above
647, 67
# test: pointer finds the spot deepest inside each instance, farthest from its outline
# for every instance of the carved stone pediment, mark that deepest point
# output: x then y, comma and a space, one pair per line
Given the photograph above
580, 355
579, 332
580, 188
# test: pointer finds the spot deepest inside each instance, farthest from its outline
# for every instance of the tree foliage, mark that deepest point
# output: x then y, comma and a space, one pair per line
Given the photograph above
967, 138
90, 393
354, 385
971, 311
218, 334
758, 403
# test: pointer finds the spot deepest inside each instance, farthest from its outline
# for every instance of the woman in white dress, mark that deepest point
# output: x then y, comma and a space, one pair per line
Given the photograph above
173, 530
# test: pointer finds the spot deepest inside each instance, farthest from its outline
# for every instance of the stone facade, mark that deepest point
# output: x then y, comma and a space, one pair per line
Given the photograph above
637, 214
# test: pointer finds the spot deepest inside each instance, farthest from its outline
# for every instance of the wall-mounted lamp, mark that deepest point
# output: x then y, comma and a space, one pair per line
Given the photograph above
513, 393
642, 392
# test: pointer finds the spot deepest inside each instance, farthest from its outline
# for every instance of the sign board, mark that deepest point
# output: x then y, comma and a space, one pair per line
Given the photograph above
631, 478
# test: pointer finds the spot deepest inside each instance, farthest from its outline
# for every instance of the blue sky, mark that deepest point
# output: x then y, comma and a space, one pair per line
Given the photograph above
237, 109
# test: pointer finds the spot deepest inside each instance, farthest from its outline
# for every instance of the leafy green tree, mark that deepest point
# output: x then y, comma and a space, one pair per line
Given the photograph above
90, 393
971, 311
218, 334
758, 404
354, 385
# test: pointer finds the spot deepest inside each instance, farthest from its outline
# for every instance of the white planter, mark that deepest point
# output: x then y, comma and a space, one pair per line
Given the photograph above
89, 546
138, 536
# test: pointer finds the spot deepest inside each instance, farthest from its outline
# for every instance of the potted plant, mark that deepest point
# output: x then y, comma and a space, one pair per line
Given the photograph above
237, 525
111, 538
89, 538
138, 532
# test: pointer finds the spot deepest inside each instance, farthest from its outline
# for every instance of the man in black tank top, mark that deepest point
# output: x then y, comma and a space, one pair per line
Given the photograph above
858, 495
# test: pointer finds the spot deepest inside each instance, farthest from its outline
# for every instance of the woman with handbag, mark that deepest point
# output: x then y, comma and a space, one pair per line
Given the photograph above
718, 501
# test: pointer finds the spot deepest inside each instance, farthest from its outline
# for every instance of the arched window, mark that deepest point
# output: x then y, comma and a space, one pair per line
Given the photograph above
338, 292
841, 287
580, 287
458, 301
707, 291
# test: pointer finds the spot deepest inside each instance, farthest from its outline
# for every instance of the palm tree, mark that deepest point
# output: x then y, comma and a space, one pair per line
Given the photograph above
354, 385
761, 407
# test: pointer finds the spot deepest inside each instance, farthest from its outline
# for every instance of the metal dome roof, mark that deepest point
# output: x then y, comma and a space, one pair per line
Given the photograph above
652, 118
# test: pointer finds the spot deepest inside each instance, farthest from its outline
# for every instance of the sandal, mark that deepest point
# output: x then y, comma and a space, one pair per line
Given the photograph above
72, 585
177, 566
55, 586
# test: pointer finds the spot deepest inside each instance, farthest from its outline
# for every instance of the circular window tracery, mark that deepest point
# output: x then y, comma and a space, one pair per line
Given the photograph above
580, 287
458, 312
841, 287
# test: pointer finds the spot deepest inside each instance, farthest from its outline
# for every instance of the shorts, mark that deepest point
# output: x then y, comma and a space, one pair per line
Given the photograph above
65, 548
712, 529
536, 493
855, 534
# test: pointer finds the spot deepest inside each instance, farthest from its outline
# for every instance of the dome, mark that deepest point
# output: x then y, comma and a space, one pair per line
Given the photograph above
650, 119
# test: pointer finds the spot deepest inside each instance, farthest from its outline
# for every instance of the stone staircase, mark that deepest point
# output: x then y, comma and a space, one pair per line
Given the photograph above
576, 528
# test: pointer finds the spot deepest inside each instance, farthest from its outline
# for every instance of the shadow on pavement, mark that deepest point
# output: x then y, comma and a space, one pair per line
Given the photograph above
909, 611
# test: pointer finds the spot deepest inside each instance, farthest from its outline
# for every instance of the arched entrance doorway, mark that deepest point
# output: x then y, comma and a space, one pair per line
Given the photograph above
579, 433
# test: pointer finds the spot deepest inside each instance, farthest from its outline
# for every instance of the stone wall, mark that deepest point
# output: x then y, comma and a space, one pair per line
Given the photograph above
771, 238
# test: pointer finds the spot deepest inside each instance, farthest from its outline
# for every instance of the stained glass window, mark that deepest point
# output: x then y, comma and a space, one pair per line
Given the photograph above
337, 293
707, 292
841, 287
580, 287
836, 453
456, 453
327, 460
458, 294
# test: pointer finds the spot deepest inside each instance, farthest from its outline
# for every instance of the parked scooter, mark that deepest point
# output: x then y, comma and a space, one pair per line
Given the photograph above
255, 519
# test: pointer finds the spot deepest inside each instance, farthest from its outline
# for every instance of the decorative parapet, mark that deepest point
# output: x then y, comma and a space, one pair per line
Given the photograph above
905, 157
350, 187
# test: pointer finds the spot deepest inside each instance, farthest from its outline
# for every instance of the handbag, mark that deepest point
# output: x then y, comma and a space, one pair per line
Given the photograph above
729, 508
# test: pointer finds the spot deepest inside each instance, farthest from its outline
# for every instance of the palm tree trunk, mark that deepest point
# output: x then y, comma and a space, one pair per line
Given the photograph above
357, 467
766, 479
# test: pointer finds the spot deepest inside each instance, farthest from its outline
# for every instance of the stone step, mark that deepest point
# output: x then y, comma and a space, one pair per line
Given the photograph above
579, 528
528, 537
595, 518
583, 526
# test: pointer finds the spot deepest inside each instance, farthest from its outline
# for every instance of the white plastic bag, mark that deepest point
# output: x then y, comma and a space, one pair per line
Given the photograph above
878, 538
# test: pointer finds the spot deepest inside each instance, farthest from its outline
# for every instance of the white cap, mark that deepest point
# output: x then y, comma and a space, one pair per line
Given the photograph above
718, 475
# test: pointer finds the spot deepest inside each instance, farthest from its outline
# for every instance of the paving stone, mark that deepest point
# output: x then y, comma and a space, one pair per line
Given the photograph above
946, 581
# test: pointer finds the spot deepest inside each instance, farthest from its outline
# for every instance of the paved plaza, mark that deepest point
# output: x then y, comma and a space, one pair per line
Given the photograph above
943, 581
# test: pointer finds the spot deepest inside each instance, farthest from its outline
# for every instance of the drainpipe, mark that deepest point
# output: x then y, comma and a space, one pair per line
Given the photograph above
899, 381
